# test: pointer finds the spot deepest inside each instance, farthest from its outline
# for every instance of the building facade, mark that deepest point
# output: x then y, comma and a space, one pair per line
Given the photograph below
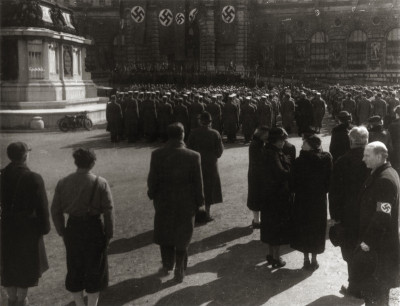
334, 40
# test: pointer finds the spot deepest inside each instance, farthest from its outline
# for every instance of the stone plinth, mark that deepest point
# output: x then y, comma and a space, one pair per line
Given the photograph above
45, 77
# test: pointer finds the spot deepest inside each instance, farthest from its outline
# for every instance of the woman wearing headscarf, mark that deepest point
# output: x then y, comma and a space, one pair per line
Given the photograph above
310, 173
275, 211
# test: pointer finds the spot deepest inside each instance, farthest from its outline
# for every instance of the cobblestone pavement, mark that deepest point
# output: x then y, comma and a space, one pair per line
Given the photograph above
227, 261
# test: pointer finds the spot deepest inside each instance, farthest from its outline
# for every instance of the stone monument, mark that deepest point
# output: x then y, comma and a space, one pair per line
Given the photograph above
43, 66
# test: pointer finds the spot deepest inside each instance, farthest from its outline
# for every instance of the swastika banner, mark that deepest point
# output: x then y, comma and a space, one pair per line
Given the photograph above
226, 33
138, 14
166, 17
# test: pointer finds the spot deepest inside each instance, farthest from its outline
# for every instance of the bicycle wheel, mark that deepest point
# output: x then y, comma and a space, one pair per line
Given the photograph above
63, 125
87, 124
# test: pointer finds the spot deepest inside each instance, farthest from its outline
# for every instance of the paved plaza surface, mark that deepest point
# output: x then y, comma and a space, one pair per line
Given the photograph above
226, 258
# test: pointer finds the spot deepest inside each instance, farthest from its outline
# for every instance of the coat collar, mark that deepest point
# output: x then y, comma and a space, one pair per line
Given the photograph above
376, 173
173, 143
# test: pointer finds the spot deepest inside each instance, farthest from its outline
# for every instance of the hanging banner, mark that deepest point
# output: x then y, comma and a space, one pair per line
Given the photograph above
180, 18
138, 14
228, 14
136, 22
166, 17
193, 14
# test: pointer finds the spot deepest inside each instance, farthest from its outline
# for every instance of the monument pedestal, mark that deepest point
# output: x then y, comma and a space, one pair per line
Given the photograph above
45, 76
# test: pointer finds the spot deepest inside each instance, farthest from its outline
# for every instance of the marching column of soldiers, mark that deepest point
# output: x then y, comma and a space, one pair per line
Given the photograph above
146, 110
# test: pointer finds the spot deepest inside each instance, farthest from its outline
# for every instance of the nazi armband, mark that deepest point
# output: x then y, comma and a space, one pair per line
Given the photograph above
384, 207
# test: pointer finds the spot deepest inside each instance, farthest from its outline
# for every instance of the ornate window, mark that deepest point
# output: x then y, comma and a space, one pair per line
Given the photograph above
357, 50
284, 51
393, 48
319, 50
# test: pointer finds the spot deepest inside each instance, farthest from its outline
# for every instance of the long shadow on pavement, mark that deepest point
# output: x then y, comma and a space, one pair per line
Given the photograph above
103, 142
125, 245
241, 280
333, 300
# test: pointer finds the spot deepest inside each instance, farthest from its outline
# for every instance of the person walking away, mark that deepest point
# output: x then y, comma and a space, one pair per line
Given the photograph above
175, 185
364, 109
304, 114
132, 118
208, 143
24, 222
288, 109
311, 174
248, 120
84, 197
378, 133
256, 174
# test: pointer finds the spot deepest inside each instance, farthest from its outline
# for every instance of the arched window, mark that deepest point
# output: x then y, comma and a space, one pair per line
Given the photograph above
357, 50
319, 50
284, 51
393, 48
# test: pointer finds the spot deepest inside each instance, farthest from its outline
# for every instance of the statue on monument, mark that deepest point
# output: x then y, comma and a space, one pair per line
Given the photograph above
26, 13
57, 17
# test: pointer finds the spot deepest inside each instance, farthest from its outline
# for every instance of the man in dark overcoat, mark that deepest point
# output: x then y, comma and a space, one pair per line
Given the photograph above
132, 118
114, 119
230, 115
216, 114
164, 117
349, 105
175, 185
379, 106
379, 224
348, 176
319, 106
264, 111
208, 143
24, 221
378, 133
181, 114
304, 114
364, 109
288, 107
196, 108
248, 119
340, 142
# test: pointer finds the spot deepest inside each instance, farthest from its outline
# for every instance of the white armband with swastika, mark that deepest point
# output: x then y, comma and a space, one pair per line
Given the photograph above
384, 207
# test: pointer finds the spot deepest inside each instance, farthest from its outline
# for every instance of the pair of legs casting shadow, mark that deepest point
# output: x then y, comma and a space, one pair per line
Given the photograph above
239, 279
135, 288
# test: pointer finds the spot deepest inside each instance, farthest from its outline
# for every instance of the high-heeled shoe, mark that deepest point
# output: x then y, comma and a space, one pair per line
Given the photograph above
278, 263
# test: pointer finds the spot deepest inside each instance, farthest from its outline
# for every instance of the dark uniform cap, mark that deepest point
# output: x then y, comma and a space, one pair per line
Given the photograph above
375, 119
17, 150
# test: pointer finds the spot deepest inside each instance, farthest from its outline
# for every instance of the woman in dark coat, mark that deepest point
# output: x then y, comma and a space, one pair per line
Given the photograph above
275, 212
24, 221
256, 174
310, 172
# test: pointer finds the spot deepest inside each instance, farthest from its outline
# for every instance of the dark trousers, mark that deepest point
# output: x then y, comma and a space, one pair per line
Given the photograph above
347, 249
87, 267
170, 256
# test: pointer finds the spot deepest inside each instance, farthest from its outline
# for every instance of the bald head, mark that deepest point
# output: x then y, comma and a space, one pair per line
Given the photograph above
375, 155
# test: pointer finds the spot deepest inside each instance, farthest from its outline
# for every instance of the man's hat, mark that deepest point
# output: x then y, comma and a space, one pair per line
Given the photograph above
17, 150
313, 140
343, 115
205, 117
375, 119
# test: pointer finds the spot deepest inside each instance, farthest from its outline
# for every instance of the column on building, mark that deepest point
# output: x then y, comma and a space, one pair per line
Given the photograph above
242, 35
207, 37
152, 33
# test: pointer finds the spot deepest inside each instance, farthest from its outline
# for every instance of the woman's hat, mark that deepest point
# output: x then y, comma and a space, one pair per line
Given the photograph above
313, 140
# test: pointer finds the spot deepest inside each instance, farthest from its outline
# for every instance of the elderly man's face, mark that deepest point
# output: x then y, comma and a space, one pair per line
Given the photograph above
371, 159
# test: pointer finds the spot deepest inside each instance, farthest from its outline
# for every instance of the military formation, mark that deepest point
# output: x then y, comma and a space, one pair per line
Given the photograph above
145, 111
